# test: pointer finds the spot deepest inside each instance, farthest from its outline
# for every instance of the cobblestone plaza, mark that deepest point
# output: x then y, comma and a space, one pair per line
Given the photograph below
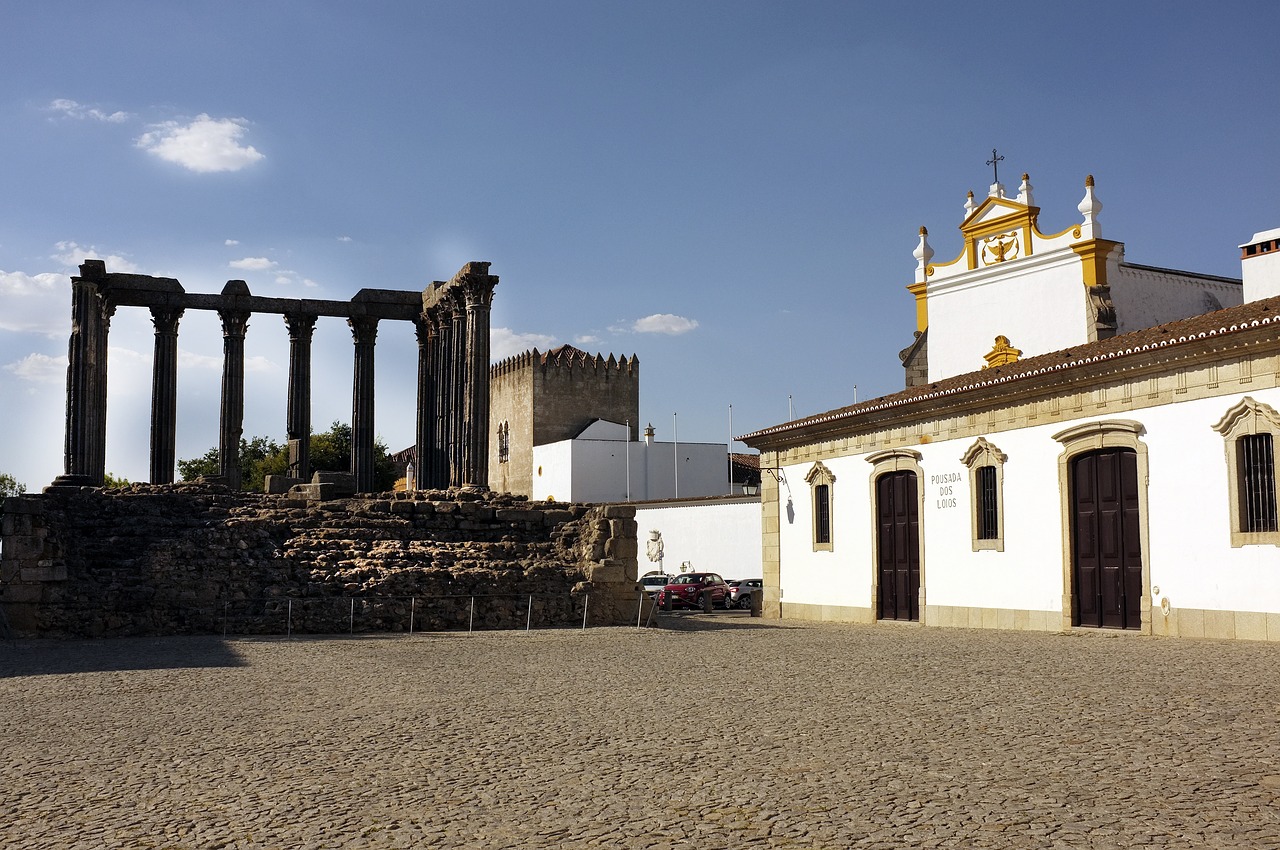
717, 731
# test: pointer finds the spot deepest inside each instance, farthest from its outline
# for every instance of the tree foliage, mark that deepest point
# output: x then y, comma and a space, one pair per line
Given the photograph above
111, 480
10, 486
263, 456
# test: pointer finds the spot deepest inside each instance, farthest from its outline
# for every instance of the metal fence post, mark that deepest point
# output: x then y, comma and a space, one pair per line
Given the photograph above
289, 629
528, 620
413, 604
471, 621
639, 609
224, 618
586, 604
351, 620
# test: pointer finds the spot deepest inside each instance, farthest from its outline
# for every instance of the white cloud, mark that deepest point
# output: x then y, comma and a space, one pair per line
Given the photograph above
39, 303
191, 360
71, 109
586, 339
504, 343
231, 242
72, 255
664, 323
253, 264
283, 279
306, 281
205, 145
39, 368
344, 238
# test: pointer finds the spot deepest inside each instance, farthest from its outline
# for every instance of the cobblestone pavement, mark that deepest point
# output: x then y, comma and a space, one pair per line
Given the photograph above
717, 732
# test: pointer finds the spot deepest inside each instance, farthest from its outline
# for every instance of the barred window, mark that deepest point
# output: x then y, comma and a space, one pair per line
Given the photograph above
504, 442
986, 504
822, 514
1257, 483
822, 484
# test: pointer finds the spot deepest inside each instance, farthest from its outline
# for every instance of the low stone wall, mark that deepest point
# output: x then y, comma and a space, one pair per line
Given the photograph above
181, 559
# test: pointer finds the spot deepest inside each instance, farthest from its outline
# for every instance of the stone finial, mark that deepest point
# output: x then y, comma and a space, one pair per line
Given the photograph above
1002, 353
969, 205
1024, 191
1089, 207
923, 254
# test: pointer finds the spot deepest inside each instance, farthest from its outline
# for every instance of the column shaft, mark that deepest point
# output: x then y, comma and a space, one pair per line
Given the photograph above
164, 393
364, 330
231, 421
457, 389
298, 409
424, 435
478, 292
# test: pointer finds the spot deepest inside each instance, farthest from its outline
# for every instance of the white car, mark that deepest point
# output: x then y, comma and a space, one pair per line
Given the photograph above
741, 591
653, 582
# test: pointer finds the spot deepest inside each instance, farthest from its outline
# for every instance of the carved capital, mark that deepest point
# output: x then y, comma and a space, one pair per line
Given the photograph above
234, 322
300, 325
425, 329
166, 318
477, 291
364, 329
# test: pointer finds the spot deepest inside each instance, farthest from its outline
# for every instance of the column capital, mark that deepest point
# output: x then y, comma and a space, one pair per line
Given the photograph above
301, 326
425, 329
234, 322
165, 318
477, 290
364, 329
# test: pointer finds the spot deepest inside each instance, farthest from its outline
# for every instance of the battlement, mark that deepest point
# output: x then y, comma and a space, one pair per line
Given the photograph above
567, 358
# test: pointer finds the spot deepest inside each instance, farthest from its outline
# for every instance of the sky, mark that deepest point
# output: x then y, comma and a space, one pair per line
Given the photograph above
730, 191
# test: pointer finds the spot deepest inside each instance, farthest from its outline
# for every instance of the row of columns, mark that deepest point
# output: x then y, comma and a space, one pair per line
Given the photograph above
451, 427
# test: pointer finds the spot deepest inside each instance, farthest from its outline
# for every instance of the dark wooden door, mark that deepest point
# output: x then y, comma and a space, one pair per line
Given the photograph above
1106, 547
898, 531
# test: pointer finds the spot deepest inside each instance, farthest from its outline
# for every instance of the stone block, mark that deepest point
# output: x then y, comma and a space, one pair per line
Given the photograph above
280, 484
23, 505
620, 547
27, 547
623, 528
1220, 625
620, 512
605, 574
1251, 625
54, 572
22, 592
339, 483
1190, 622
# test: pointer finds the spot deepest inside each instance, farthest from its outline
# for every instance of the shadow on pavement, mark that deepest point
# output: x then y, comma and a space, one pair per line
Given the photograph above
32, 657
698, 621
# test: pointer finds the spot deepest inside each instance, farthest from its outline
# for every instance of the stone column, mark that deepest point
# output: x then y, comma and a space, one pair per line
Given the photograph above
443, 317
364, 330
457, 385
231, 427
106, 309
164, 393
298, 411
477, 291
85, 379
425, 329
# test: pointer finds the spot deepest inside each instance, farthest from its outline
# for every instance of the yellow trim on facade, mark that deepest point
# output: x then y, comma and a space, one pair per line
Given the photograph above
922, 305
1093, 257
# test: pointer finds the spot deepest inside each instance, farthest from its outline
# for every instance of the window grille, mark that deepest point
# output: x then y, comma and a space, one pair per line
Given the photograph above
1258, 483
822, 513
988, 511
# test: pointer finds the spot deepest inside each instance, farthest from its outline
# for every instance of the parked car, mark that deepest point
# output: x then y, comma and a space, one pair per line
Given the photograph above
695, 590
652, 583
741, 590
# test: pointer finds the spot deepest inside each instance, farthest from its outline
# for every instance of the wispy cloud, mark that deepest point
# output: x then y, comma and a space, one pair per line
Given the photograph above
39, 368
205, 145
504, 343
36, 303
191, 360
344, 238
231, 242
253, 264
72, 254
71, 109
663, 323
586, 339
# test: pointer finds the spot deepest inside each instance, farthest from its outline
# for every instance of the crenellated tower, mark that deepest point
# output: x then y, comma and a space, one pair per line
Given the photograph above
545, 397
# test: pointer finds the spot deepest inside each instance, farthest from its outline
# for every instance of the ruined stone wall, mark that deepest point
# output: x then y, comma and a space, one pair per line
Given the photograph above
175, 559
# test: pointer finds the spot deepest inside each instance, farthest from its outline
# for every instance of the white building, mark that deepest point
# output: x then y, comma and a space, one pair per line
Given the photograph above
1101, 471
716, 535
602, 464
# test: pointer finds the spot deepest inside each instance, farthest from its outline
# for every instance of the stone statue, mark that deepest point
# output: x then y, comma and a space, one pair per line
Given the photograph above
654, 546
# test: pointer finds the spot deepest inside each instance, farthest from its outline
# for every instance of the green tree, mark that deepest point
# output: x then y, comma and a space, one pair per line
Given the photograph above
10, 486
262, 456
111, 480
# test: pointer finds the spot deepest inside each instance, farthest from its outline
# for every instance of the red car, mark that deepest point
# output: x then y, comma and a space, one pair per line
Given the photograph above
695, 590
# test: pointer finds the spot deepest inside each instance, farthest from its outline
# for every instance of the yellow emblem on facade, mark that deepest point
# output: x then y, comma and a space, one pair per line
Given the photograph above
1000, 247
1002, 354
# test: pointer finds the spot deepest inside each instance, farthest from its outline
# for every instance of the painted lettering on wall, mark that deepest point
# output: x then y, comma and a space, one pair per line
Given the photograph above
946, 484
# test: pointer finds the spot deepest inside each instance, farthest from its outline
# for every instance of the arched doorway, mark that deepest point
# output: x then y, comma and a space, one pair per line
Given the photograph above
898, 545
1106, 540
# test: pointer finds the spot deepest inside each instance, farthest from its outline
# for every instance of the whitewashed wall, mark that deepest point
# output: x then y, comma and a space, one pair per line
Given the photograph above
720, 536
967, 312
599, 470
1145, 298
1190, 554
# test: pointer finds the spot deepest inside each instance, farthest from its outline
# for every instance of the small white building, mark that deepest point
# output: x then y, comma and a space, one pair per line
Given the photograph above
602, 464
719, 534
1121, 476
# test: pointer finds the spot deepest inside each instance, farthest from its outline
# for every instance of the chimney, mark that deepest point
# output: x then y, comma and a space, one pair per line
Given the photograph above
1260, 265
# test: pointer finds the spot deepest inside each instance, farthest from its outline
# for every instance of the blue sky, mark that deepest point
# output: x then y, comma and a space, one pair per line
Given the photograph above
729, 190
